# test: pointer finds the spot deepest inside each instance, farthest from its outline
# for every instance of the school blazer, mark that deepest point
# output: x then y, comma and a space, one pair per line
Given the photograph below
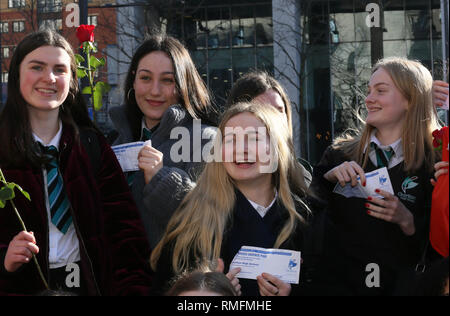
113, 246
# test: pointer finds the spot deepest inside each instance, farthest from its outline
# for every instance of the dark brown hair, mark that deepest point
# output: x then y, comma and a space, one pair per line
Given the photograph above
191, 89
255, 83
16, 134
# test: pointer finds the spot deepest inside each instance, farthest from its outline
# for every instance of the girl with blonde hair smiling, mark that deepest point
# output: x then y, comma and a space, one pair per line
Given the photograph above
389, 231
235, 204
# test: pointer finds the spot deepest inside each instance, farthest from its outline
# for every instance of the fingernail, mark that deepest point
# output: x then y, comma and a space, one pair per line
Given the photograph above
369, 198
367, 205
368, 212
377, 190
364, 184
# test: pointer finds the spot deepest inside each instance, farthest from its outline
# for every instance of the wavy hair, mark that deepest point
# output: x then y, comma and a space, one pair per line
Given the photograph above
197, 228
415, 83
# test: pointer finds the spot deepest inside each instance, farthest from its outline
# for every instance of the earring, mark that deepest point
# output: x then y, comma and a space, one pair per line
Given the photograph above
128, 94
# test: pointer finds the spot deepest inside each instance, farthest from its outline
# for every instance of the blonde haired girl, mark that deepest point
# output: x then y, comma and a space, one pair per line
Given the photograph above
220, 214
389, 230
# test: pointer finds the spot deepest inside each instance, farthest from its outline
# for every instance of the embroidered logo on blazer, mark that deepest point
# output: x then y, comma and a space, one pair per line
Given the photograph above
408, 184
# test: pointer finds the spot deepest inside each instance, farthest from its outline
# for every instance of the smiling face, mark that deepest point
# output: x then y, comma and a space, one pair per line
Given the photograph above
385, 104
45, 77
154, 86
246, 148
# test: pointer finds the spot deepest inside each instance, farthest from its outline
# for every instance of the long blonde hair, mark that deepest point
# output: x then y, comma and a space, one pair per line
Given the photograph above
197, 227
415, 82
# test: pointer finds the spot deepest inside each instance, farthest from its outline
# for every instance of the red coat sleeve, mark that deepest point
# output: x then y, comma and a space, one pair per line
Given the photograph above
439, 230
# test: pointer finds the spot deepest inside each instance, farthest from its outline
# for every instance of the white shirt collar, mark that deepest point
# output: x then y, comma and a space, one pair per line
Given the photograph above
262, 211
54, 141
396, 146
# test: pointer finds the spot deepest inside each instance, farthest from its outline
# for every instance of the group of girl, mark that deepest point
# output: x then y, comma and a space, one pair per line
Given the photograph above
193, 215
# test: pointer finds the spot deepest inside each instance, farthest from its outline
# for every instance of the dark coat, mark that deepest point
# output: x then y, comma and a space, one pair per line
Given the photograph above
362, 240
247, 228
158, 199
113, 247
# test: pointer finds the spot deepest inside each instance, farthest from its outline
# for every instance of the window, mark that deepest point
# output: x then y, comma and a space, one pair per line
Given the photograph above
5, 76
5, 52
4, 27
54, 24
227, 40
18, 26
49, 5
16, 3
92, 20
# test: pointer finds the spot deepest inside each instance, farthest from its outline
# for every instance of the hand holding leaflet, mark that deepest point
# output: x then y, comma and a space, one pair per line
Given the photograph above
377, 179
127, 155
281, 263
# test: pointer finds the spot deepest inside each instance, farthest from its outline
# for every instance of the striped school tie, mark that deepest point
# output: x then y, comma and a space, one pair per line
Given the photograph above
57, 196
383, 155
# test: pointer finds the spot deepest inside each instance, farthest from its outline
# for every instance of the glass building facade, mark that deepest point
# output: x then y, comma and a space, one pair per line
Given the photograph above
226, 39
340, 66
321, 51
336, 46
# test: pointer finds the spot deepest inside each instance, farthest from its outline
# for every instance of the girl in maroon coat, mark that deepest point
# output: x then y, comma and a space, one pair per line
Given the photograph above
83, 225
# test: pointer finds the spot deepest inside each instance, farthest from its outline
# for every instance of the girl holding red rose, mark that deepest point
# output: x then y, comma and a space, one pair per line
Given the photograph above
96, 230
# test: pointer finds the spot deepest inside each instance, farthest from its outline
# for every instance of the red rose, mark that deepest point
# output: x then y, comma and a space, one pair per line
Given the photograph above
438, 136
435, 133
85, 33
436, 143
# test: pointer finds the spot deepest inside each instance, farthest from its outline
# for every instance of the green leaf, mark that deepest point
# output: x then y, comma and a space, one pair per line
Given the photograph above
25, 193
102, 87
95, 62
97, 97
80, 59
81, 73
2, 204
86, 90
6, 193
